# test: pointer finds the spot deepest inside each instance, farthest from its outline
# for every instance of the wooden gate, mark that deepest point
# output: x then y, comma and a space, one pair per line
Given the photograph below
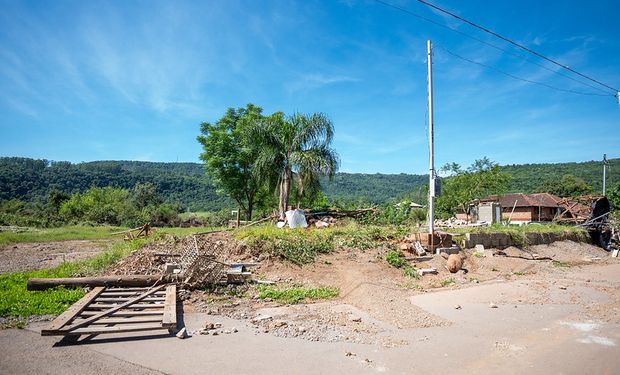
116, 310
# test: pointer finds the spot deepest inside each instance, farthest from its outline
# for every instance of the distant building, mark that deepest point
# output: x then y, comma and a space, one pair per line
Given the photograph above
518, 208
527, 207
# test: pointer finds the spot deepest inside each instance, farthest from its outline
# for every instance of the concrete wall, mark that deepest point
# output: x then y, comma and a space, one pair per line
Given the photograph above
503, 240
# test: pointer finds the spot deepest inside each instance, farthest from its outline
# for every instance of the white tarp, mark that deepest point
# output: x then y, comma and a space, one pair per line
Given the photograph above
296, 218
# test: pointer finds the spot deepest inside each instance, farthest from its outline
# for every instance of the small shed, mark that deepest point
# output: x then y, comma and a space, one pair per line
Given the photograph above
526, 208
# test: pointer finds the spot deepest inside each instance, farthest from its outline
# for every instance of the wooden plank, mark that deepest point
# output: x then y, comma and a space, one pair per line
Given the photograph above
113, 329
72, 311
169, 319
126, 289
141, 281
124, 313
128, 320
123, 299
110, 311
106, 293
100, 306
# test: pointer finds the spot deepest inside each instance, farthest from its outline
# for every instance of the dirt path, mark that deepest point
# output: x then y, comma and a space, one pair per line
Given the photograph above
39, 255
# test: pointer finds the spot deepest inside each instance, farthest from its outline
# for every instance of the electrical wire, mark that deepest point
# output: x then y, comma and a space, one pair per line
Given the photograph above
516, 44
514, 76
409, 12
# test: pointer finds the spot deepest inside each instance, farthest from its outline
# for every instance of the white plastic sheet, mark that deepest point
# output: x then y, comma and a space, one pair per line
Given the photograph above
296, 218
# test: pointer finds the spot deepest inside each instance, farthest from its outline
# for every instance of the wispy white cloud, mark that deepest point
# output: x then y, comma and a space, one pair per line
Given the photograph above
313, 81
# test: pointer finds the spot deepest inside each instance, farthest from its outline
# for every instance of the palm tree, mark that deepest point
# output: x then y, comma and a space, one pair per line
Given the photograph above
295, 146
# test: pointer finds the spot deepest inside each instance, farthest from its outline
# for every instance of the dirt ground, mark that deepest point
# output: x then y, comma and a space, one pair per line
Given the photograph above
39, 255
501, 313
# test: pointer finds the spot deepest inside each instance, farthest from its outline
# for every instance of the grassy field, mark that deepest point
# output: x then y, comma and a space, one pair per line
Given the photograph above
301, 246
187, 231
83, 233
59, 234
16, 301
530, 228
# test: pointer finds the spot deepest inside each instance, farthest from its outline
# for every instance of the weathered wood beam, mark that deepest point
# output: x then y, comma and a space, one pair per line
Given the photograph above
109, 281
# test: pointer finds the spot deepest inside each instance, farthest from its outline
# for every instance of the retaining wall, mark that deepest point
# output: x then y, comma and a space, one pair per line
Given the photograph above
504, 240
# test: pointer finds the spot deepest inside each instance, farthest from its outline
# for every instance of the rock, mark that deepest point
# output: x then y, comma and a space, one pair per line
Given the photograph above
261, 318
215, 333
227, 331
457, 307
455, 263
321, 224
235, 330
562, 287
350, 354
301, 329
492, 305
217, 325
182, 334
405, 246
208, 326
279, 323
425, 271
355, 318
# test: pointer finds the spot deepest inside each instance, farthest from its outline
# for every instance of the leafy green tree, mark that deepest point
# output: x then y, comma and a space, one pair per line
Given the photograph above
295, 146
481, 179
230, 153
143, 195
567, 186
613, 195
55, 199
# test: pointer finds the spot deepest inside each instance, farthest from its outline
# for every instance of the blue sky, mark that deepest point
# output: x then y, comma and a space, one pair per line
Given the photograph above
131, 80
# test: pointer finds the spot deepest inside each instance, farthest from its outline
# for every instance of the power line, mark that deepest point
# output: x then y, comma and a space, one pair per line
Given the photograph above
516, 44
516, 77
487, 44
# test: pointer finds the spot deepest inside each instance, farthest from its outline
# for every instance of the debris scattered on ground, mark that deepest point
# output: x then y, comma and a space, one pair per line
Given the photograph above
427, 271
493, 305
182, 334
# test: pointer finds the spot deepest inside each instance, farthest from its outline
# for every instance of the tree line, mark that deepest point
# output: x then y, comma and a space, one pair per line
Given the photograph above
187, 186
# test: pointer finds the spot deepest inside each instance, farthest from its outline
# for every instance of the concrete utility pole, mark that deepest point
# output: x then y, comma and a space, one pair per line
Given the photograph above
431, 166
604, 171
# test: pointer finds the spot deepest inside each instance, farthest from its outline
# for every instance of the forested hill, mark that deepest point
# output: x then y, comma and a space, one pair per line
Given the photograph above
526, 178
186, 183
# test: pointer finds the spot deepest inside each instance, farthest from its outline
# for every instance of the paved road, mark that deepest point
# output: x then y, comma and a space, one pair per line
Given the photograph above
531, 331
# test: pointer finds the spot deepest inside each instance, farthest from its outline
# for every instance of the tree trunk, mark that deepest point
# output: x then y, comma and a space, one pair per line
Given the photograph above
285, 187
248, 212
300, 189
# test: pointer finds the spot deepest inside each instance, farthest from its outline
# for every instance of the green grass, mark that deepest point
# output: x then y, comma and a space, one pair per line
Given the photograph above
295, 295
394, 259
59, 234
557, 263
447, 282
411, 272
186, 231
16, 301
301, 246
531, 228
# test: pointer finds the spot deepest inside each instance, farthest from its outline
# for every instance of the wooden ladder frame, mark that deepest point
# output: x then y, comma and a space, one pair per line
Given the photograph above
116, 310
